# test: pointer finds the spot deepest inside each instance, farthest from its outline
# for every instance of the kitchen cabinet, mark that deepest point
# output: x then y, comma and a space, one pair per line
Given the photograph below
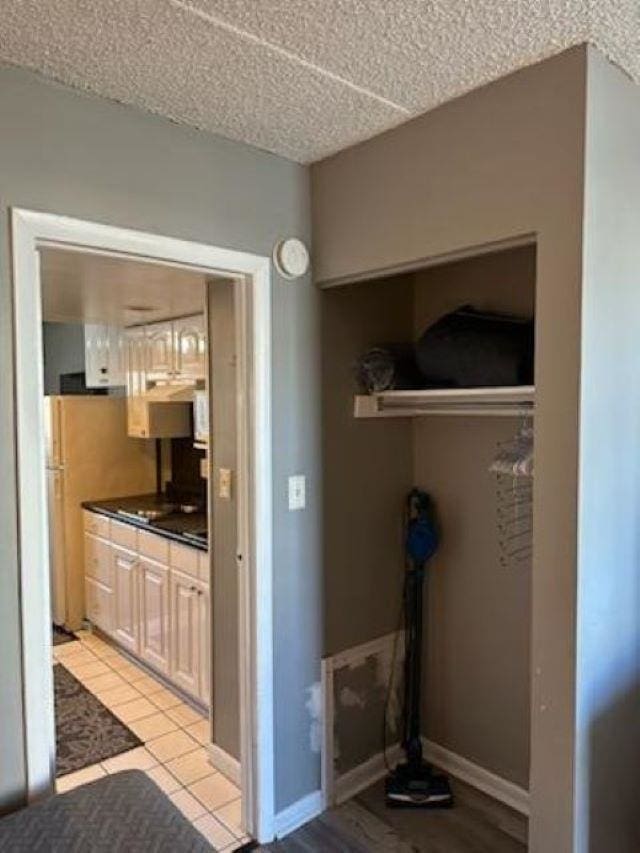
160, 358
190, 347
135, 357
176, 350
190, 635
126, 626
204, 631
98, 587
154, 614
185, 631
152, 597
99, 605
104, 356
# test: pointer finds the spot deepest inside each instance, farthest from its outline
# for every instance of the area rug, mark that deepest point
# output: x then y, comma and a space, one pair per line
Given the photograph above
86, 731
60, 636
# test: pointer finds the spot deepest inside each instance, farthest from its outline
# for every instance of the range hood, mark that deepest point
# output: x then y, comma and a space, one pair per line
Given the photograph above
178, 393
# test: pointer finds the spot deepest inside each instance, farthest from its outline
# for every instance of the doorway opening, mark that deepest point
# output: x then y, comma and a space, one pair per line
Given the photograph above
142, 439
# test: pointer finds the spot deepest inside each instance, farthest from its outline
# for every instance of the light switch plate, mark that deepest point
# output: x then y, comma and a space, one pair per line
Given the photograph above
224, 484
297, 492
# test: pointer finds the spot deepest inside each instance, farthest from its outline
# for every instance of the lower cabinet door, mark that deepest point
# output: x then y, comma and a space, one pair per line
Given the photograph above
185, 632
154, 614
126, 627
99, 605
205, 645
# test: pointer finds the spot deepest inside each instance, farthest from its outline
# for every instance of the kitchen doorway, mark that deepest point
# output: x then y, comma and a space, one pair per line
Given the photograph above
243, 280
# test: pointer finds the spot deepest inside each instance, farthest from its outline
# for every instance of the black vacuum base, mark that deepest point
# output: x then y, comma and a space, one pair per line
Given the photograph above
417, 788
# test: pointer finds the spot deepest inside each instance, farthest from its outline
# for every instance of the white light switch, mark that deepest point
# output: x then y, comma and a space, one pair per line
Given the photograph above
224, 484
297, 492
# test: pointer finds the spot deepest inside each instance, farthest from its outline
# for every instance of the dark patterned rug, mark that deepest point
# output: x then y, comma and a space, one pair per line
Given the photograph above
86, 731
60, 636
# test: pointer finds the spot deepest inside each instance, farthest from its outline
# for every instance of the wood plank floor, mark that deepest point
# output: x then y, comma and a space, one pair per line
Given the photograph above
476, 824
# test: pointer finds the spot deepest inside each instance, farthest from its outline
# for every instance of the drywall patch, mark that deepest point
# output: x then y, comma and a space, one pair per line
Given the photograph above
364, 684
314, 707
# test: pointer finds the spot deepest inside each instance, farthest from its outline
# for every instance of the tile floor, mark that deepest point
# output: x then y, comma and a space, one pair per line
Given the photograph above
173, 734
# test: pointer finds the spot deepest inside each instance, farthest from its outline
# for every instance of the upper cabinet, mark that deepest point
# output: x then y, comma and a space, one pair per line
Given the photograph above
176, 349
104, 356
160, 358
136, 362
190, 347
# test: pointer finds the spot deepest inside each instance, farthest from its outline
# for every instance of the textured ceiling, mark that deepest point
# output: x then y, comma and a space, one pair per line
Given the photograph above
301, 78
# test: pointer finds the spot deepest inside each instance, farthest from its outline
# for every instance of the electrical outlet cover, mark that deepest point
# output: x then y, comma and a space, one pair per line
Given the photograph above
297, 492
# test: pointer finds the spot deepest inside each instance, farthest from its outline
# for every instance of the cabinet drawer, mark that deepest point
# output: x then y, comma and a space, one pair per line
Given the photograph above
99, 605
97, 560
96, 524
203, 566
124, 535
154, 546
184, 558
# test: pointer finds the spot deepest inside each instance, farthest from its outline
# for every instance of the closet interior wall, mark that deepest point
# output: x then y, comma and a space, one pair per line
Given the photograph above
477, 646
476, 690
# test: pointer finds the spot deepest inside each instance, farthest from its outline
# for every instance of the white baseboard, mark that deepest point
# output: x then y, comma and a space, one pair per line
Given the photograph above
357, 779
299, 813
370, 771
489, 783
225, 763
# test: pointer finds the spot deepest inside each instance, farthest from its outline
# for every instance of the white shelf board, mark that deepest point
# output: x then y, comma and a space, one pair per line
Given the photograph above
512, 401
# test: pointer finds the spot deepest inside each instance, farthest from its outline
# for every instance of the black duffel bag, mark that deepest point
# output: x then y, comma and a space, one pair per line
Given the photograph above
475, 349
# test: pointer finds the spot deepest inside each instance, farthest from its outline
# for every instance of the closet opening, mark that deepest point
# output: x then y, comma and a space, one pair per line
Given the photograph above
389, 428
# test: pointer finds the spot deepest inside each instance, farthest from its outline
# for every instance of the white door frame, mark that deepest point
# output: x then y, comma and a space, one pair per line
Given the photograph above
30, 231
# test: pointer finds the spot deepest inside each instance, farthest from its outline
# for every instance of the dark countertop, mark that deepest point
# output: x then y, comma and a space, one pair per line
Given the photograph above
173, 526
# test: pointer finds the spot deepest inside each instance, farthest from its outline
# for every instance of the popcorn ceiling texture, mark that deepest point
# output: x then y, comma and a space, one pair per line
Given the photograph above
301, 78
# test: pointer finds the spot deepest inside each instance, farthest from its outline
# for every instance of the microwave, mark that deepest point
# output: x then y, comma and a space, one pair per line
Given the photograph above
201, 417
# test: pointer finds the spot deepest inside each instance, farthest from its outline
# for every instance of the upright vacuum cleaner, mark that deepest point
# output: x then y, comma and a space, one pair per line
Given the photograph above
413, 784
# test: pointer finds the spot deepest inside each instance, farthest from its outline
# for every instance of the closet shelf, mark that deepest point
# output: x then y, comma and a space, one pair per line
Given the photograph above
512, 401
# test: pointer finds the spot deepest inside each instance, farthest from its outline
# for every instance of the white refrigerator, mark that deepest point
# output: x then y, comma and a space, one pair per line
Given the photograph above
89, 456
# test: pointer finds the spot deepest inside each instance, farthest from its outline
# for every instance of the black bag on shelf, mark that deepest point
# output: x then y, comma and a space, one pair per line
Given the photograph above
475, 349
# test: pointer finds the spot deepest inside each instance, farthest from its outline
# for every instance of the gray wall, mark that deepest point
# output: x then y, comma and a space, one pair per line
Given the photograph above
68, 153
608, 623
504, 160
63, 353
224, 598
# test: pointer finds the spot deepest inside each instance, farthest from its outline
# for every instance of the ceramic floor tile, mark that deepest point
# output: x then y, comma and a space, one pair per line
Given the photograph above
200, 731
188, 805
126, 670
231, 816
214, 791
171, 745
75, 656
90, 670
137, 709
163, 779
164, 699
191, 767
215, 833
152, 727
94, 643
72, 780
106, 652
183, 715
118, 695
136, 759
145, 684
101, 683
